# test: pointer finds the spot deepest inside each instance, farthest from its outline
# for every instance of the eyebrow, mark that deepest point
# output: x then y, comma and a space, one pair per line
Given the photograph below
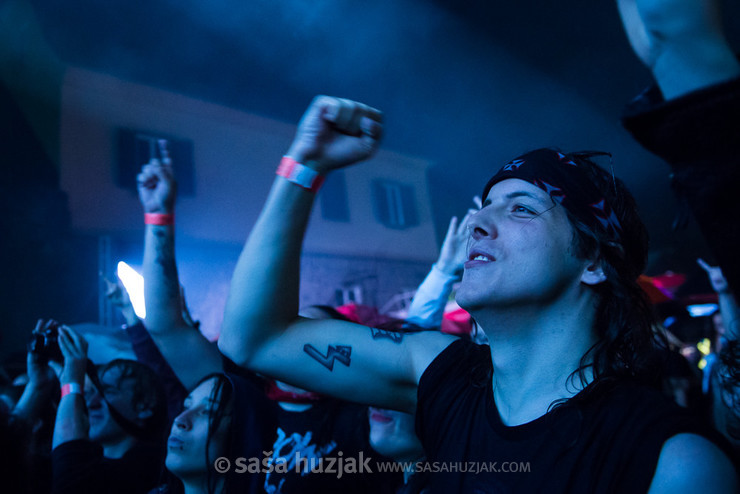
206, 402
519, 193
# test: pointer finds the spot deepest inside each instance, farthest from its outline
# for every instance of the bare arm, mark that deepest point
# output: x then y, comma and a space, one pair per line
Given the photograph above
728, 307
71, 422
687, 461
681, 42
186, 350
262, 330
39, 391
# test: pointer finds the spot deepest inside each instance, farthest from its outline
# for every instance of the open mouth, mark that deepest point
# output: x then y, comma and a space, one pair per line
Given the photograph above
477, 257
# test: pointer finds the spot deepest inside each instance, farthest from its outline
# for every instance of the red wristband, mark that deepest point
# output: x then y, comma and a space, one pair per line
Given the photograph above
71, 388
159, 219
300, 174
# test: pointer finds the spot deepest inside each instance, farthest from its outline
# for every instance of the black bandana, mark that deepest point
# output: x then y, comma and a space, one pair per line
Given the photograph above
566, 183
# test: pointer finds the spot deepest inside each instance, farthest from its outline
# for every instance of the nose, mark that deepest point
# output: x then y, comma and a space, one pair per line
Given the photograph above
182, 421
482, 224
93, 399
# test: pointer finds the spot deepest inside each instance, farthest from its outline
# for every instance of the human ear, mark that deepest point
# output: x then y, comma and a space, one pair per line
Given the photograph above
593, 274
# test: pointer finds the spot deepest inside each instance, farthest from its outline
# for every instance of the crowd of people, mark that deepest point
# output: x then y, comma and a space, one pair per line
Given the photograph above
561, 380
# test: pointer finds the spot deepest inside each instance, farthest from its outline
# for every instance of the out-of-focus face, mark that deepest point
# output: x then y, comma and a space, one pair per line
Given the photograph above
186, 445
519, 251
392, 434
292, 389
119, 392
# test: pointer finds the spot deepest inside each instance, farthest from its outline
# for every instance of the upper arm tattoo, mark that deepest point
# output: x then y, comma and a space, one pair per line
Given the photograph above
340, 353
394, 336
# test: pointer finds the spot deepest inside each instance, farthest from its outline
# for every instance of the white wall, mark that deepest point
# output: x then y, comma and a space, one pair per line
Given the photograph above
235, 156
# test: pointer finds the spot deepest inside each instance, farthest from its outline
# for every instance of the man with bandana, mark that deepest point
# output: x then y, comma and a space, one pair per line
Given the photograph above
559, 401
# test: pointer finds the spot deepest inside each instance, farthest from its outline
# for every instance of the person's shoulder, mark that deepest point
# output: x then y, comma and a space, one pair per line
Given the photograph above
457, 350
460, 363
688, 461
78, 446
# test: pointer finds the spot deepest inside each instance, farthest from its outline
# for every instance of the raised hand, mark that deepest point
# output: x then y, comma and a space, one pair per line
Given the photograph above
716, 278
118, 296
37, 367
336, 132
454, 251
74, 350
157, 187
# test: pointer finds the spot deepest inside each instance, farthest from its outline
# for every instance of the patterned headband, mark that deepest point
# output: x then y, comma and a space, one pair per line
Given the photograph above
567, 184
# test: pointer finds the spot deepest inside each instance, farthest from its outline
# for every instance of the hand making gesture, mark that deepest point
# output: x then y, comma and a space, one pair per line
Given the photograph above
157, 186
336, 132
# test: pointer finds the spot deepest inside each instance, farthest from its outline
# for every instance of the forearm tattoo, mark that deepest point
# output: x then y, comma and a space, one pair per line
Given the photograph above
394, 336
165, 258
340, 353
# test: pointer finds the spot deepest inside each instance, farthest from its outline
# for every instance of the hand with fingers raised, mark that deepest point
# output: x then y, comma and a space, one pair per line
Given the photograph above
118, 296
74, 350
454, 251
157, 187
716, 278
40, 375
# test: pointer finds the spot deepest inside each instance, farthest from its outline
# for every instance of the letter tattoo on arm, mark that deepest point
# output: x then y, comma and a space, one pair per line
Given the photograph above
394, 336
340, 353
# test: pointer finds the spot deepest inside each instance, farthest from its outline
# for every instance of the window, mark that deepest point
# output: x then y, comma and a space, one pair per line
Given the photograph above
394, 204
135, 148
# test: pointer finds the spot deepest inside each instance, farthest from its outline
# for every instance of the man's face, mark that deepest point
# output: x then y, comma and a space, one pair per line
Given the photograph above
520, 250
120, 394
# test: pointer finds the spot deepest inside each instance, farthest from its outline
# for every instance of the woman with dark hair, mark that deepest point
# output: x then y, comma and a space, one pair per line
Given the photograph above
224, 416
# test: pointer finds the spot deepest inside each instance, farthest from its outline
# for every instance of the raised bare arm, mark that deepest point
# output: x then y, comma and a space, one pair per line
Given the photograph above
186, 350
680, 41
262, 330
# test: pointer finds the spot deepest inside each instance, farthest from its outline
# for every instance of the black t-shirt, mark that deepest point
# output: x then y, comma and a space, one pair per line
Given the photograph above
79, 467
607, 439
323, 431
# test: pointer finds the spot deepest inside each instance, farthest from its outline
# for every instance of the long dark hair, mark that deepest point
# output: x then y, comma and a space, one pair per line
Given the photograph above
628, 344
221, 393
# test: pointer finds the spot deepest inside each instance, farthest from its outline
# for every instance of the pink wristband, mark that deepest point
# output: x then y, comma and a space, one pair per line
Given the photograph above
300, 174
70, 389
159, 219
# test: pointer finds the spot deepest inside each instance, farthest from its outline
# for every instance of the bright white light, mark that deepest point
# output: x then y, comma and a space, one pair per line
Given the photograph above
701, 310
134, 284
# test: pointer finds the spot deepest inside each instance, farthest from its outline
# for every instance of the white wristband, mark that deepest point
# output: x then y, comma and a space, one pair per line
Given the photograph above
300, 174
